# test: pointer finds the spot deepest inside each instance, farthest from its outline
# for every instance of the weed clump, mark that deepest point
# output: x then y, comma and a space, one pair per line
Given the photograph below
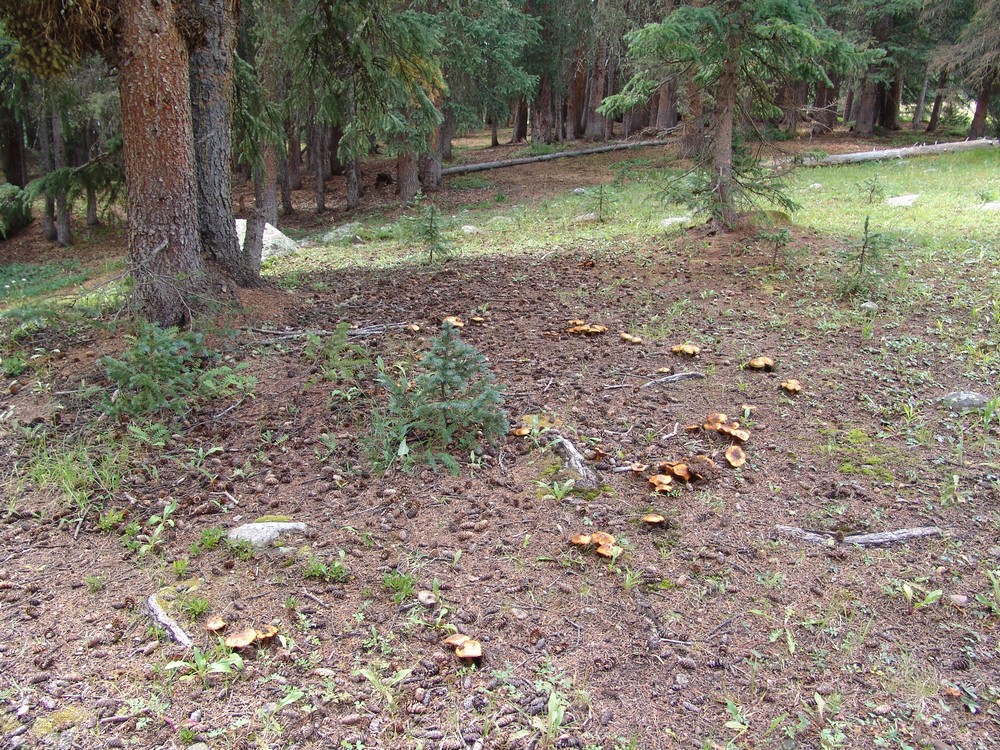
166, 370
446, 409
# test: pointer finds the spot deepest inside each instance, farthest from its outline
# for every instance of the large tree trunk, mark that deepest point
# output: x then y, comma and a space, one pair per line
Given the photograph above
867, 110
316, 165
407, 176
294, 158
594, 130
892, 95
449, 126
939, 92
164, 250
666, 106
64, 231
722, 146
692, 144
92, 220
266, 185
494, 132
211, 73
575, 96
978, 127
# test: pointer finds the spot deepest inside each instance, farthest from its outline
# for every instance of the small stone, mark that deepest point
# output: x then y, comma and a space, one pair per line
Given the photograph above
579, 191
426, 598
991, 206
902, 200
588, 218
962, 400
958, 600
469, 229
520, 614
869, 307
198, 746
825, 689
674, 221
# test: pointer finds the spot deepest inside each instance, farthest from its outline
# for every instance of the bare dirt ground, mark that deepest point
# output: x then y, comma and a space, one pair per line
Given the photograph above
712, 630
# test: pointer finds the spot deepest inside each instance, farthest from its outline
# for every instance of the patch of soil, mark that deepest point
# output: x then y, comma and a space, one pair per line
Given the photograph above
710, 628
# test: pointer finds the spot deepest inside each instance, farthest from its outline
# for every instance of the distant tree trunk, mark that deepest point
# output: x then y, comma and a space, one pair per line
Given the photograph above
793, 97
64, 231
353, 172
265, 186
666, 106
978, 127
576, 96
918, 112
336, 165
848, 104
891, 98
12, 138
867, 110
161, 190
449, 127
92, 220
494, 132
693, 140
49, 208
939, 92
285, 184
211, 74
407, 176
541, 120
315, 136
430, 164
520, 134
294, 159
722, 147
594, 130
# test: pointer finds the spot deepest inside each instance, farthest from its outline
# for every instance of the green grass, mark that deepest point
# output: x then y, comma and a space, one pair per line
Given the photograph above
22, 280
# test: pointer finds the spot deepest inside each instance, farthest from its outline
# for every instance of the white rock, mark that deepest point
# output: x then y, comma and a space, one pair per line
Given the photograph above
902, 200
589, 218
816, 186
579, 191
991, 206
266, 533
674, 220
341, 233
276, 244
469, 229
500, 221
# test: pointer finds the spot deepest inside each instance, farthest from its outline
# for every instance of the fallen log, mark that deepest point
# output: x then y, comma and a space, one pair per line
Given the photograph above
482, 167
575, 461
829, 539
897, 153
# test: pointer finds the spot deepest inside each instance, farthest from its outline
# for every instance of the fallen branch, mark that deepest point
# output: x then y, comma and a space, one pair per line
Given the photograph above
482, 167
897, 153
575, 461
160, 617
372, 330
860, 540
670, 379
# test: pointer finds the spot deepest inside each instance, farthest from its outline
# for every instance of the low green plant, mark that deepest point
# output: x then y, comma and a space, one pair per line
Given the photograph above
865, 257
432, 236
445, 409
336, 358
180, 567
151, 540
164, 370
991, 601
334, 570
240, 549
385, 686
193, 606
557, 490
202, 664
208, 539
401, 585
94, 583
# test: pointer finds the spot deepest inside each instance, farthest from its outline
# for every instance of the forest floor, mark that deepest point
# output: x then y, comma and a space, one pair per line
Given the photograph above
714, 629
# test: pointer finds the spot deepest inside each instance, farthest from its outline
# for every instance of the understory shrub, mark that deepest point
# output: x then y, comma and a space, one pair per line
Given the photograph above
447, 408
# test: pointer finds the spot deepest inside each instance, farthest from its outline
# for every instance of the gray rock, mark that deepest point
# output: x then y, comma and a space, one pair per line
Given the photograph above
991, 206
276, 244
342, 233
869, 307
264, 534
902, 201
198, 746
674, 220
579, 191
469, 229
500, 221
962, 400
589, 218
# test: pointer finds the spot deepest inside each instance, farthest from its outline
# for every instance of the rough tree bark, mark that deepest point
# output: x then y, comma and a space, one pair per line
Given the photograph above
12, 137
541, 119
265, 186
64, 230
49, 207
316, 165
353, 173
594, 130
939, 92
575, 96
918, 112
520, 134
161, 196
407, 176
978, 127
722, 147
867, 110
211, 76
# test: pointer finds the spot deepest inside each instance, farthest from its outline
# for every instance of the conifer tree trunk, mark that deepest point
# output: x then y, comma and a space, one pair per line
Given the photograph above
266, 186
407, 176
353, 173
92, 220
211, 76
64, 230
576, 96
49, 207
867, 110
520, 134
316, 164
294, 157
939, 92
164, 249
594, 130
494, 132
541, 120
918, 112
12, 138
978, 127
722, 147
